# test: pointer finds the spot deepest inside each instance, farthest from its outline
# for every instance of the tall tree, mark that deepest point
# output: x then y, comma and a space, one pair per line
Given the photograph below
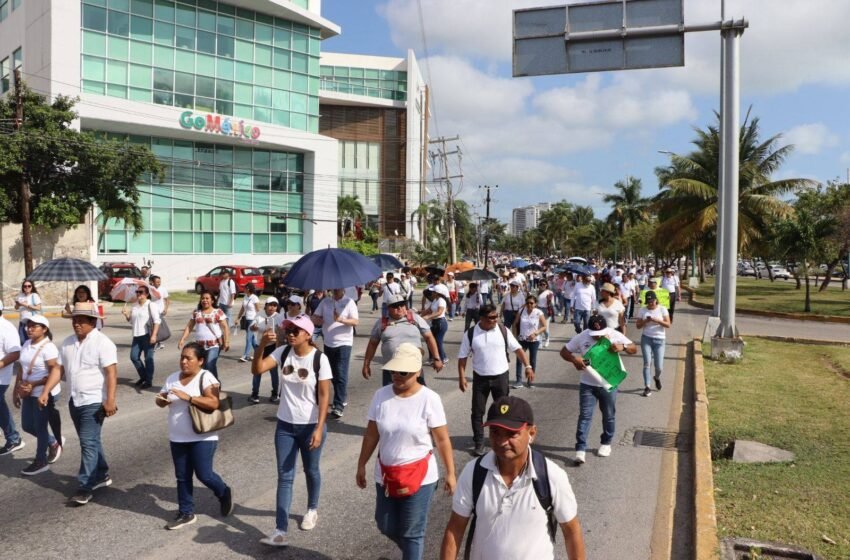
348, 211
629, 208
64, 172
799, 237
556, 224
687, 203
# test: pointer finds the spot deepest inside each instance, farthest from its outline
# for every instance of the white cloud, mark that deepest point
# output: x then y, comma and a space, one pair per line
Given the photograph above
788, 44
810, 138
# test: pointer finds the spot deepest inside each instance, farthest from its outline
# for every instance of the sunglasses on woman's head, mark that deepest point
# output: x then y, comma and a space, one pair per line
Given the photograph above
302, 372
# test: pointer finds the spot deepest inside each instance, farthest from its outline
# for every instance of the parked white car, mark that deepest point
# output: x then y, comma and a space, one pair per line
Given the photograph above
779, 272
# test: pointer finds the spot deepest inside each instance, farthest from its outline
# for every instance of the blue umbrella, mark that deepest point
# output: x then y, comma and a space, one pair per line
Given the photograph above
386, 262
329, 269
519, 263
576, 268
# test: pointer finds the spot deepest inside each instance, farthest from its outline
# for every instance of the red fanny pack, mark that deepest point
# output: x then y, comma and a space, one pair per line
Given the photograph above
401, 481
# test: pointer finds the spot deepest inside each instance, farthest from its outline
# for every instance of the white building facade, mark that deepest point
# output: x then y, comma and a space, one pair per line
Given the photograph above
226, 94
527, 217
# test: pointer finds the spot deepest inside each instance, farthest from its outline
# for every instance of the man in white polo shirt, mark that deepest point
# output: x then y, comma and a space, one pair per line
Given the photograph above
490, 347
89, 367
337, 315
508, 511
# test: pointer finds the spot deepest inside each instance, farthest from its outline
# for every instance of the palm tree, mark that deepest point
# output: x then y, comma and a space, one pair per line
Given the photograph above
687, 203
349, 210
800, 237
435, 215
556, 224
629, 208
583, 216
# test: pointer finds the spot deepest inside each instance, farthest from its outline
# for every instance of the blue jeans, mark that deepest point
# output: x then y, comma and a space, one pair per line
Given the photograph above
34, 422
22, 332
250, 342
195, 458
339, 358
211, 363
255, 382
289, 440
530, 348
404, 520
374, 301
226, 310
654, 348
580, 317
142, 344
439, 327
7, 423
385, 310
88, 422
588, 396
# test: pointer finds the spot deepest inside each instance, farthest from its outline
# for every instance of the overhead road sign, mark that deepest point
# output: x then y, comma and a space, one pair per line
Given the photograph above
599, 36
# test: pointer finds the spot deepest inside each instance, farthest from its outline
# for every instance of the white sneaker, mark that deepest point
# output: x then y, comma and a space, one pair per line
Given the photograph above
309, 520
604, 450
579, 460
276, 538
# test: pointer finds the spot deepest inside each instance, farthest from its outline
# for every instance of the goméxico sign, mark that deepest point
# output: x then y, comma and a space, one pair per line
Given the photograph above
219, 124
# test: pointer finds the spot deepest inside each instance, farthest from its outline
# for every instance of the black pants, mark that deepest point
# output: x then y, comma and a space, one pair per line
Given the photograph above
674, 295
470, 319
482, 387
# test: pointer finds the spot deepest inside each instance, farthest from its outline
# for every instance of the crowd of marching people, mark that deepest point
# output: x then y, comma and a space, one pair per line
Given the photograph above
506, 317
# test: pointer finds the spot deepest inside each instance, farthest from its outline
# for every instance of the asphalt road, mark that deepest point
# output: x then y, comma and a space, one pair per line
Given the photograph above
617, 496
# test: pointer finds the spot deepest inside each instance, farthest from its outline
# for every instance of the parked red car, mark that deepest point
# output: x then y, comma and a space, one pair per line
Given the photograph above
115, 272
241, 275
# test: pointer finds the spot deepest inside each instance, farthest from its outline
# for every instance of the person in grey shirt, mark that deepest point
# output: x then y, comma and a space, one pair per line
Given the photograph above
400, 325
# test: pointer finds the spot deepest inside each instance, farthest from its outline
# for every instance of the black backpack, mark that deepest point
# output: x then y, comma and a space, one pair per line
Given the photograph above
317, 365
541, 488
504, 332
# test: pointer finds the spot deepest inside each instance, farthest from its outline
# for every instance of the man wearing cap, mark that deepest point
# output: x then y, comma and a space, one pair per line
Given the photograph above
267, 319
10, 352
510, 521
400, 326
491, 345
338, 316
592, 387
661, 294
654, 320
89, 366
670, 282
582, 301
513, 301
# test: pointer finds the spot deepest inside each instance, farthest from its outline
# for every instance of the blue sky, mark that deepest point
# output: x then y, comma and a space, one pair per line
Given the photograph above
573, 136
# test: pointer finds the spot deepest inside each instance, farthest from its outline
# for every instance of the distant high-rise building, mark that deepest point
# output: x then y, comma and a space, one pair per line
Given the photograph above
527, 217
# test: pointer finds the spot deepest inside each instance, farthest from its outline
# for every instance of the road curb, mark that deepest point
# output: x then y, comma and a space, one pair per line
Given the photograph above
706, 543
771, 314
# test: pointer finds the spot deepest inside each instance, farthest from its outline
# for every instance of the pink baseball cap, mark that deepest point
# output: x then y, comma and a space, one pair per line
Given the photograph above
302, 321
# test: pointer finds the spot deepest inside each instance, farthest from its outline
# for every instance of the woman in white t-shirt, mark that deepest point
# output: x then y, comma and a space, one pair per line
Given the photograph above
301, 429
210, 327
435, 312
530, 322
247, 314
403, 417
28, 304
191, 452
39, 358
546, 303
611, 307
145, 319
471, 305
653, 319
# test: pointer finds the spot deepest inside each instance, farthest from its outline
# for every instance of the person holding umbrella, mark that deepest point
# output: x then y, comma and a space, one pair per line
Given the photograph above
82, 294
338, 316
145, 319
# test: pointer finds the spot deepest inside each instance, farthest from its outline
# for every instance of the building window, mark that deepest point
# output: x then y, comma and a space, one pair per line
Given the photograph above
4, 75
360, 172
4, 9
215, 199
215, 46
371, 82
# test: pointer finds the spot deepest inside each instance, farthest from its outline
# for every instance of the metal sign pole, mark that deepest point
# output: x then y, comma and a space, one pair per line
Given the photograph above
719, 264
731, 151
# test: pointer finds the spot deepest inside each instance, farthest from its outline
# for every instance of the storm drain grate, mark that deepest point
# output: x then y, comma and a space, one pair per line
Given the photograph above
660, 439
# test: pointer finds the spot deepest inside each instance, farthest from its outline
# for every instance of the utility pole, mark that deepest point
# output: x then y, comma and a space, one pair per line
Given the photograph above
486, 226
450, 194
25, 194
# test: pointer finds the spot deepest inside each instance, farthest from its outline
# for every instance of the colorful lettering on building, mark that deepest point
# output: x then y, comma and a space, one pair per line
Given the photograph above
219, 125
